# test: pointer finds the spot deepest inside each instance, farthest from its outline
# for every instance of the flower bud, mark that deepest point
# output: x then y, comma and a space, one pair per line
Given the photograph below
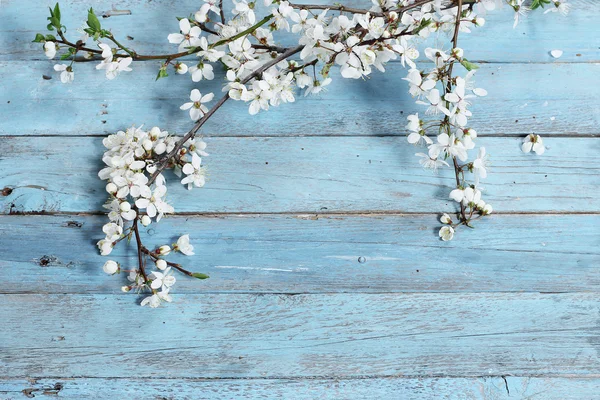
125, 206
111, 188
487, 209
146, 220
445, 219
161, 264
393, 16
110, 267
163, 250
125, 289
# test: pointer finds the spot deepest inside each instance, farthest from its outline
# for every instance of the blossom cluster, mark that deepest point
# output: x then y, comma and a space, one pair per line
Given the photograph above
262, 74
137, 192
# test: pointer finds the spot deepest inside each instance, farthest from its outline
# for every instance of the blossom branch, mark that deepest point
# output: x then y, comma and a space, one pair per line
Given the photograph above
263, 74
164, 162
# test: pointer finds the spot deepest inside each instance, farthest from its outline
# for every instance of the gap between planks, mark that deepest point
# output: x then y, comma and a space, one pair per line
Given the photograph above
309, 135
300, 214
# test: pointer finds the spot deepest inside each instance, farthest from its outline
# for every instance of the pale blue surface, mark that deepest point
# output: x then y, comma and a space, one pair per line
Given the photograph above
328, 280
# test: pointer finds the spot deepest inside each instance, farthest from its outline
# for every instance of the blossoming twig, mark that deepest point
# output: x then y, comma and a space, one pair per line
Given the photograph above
264, 74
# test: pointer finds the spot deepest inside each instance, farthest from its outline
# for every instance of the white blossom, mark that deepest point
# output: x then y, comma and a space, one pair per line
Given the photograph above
184, 246
446, 233
189, 36
50, 49
533, 142
196, 106
110, 267
66, 73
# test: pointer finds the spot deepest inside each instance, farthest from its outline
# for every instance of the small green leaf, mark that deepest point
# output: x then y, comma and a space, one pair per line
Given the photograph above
57, 12
50, 38
539, 3
50, 27
39, 38
92, 21
162, 73
468, 65
65, 56
199, 275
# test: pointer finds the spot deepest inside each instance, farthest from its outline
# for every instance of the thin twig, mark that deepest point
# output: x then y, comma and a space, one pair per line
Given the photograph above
139, 249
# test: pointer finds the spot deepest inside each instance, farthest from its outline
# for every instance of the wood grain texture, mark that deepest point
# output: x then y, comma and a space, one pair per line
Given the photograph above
320, 288
316, 174
315, 335
523, 98
484, 388
305, 254
148, 27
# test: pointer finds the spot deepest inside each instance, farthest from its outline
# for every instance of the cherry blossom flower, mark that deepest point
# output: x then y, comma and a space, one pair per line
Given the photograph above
448, 146
162, 280
196, 106
194, 172
429, 162
50, 49
445, 219
66, 72
110, 267
480, 165
183, 245
559, 6
189, 36
533, 142
209, 5
155, 300
446, 233
114, 68
202, 70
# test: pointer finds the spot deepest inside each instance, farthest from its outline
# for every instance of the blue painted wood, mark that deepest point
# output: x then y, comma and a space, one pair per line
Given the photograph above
418, 319
148, 25
484, 388
523, 98
309, 254
346, 335
314, 174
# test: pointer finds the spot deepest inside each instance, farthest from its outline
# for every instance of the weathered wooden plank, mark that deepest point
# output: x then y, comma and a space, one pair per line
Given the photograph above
484, 388
271, 336
309, 174
305, 254
151, 22
523, 98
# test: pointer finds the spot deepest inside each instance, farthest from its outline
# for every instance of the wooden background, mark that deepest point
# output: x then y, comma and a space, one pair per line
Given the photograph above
317, 226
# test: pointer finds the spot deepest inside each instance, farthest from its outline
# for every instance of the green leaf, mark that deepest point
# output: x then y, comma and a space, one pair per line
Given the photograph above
162, 73
65, 56
39, 38
92, 21
539, 3
50, 27
57, 12
468, 65
199, 275
50, 38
